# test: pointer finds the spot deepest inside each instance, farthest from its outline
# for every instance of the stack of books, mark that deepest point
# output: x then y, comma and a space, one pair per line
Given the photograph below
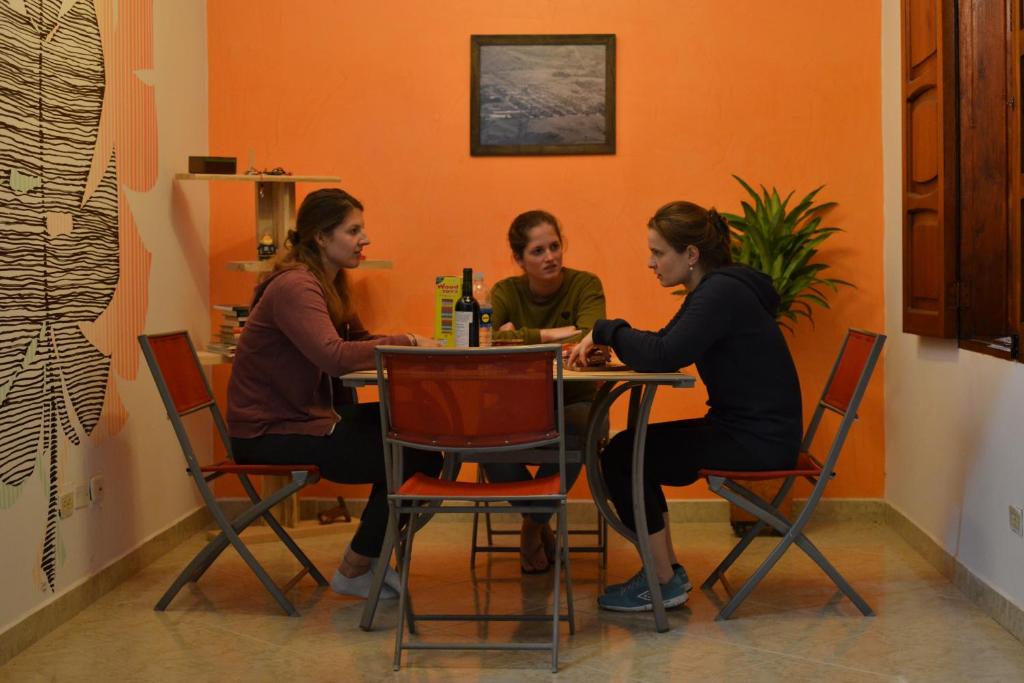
225, 338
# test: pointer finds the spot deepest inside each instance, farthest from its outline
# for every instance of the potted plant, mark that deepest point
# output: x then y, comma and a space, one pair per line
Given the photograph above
782, 243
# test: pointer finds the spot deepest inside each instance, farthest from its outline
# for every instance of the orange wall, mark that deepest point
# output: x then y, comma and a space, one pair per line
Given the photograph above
378, 94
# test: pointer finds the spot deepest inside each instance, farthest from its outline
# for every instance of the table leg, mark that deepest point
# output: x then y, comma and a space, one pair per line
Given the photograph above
635, 394
641, 400
595, 477
643, 539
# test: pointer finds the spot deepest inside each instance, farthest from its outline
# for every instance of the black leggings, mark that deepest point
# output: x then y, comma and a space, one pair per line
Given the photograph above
352, 454
673, 454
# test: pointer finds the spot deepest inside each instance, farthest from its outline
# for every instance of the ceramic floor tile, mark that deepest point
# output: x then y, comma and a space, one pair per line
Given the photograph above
795, 626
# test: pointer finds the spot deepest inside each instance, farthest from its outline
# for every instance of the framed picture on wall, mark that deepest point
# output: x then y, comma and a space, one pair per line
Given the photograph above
542, 94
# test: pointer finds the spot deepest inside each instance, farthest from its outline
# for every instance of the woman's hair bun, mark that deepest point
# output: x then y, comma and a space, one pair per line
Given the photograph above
719, 224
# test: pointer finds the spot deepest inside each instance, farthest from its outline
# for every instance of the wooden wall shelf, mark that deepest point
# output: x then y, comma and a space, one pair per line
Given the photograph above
275, 199
259, 177
207, 358
264, 266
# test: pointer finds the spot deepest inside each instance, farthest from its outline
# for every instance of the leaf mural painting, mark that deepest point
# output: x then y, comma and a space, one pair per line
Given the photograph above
60, 257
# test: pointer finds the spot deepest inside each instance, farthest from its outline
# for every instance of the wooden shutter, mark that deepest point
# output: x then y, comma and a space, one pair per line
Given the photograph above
929, 168
1016, 69
984, 169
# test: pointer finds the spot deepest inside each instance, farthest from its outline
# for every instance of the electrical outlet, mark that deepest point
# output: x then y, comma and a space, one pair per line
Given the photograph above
1017, 520
96, 488
82, 495
67, 505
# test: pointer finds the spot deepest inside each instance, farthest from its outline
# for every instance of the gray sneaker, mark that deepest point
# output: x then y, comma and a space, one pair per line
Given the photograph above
636, 596
676, 567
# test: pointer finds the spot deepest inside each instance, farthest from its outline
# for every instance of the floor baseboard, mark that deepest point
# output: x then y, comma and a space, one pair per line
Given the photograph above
74, 600
991, 601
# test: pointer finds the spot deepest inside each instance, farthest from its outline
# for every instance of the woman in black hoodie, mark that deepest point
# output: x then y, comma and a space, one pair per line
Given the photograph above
726, 327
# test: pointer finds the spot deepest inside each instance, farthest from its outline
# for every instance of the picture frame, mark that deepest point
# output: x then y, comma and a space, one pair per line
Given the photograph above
542, 94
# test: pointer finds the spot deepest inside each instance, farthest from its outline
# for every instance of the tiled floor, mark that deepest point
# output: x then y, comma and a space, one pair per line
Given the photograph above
793, 628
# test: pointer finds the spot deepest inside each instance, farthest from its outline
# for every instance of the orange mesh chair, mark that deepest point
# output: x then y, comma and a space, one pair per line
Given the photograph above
842, 395
184, 389
480, 401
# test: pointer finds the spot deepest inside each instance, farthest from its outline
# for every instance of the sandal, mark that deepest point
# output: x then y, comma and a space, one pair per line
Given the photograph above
532, 554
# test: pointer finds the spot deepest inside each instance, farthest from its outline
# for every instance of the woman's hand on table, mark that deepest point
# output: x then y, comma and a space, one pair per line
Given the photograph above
583, 352
419, 340
548, 335
554, 334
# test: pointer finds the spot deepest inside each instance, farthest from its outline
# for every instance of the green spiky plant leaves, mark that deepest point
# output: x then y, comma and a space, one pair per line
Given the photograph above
783, 242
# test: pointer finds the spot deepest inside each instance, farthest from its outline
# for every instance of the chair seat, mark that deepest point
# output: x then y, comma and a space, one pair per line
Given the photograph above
422, 485
475, 441
230, 467
533, 456
805, 467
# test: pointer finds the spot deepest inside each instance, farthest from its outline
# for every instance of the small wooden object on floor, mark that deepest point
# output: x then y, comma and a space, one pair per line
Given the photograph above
339, 511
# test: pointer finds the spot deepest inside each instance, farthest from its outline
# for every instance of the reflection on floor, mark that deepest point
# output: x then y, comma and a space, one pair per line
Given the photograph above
793, 628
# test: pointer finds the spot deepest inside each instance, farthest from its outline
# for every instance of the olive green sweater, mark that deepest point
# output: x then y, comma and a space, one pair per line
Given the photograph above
579, 301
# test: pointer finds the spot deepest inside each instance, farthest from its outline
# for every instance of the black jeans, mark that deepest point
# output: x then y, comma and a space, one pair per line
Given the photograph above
673, 454
352, 454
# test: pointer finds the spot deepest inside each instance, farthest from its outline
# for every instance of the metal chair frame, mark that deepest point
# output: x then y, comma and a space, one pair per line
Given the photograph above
230, 530
421, 507
726, 485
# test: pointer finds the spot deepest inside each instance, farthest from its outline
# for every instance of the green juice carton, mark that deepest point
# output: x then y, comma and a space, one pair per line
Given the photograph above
447, 290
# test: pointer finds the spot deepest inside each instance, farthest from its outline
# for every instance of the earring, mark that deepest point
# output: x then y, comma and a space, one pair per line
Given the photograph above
691, 266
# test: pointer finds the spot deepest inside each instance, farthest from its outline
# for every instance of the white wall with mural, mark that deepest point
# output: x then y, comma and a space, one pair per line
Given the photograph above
103, 100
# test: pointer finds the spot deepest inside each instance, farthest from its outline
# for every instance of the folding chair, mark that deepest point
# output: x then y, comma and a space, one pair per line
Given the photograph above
573, 454
461, 401
842, 395
184, 389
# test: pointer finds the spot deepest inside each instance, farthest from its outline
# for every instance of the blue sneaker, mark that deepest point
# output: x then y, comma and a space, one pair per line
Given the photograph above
636, 597
678, 568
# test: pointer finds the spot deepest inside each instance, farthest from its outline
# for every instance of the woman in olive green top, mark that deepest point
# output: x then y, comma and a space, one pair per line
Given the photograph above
547, 303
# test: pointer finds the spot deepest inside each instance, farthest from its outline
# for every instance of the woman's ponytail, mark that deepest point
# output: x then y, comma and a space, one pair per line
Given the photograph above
686, 223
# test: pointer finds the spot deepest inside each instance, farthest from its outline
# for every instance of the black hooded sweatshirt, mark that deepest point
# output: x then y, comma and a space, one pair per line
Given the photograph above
726, 326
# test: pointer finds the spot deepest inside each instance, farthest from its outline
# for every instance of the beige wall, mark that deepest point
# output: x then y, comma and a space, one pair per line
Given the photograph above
146, 491
954, 419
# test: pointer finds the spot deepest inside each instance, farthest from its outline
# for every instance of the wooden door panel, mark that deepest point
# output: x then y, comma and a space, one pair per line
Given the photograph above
930, 169
984, 168
1014, 65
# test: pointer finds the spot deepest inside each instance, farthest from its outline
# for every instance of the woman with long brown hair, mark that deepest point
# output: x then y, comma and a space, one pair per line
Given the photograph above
285, 405
547, 303
726, 327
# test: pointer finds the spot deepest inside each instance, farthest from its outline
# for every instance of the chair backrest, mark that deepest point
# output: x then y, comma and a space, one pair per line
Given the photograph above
183, 386
845, 387
176, 369
471, 399
850, 366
